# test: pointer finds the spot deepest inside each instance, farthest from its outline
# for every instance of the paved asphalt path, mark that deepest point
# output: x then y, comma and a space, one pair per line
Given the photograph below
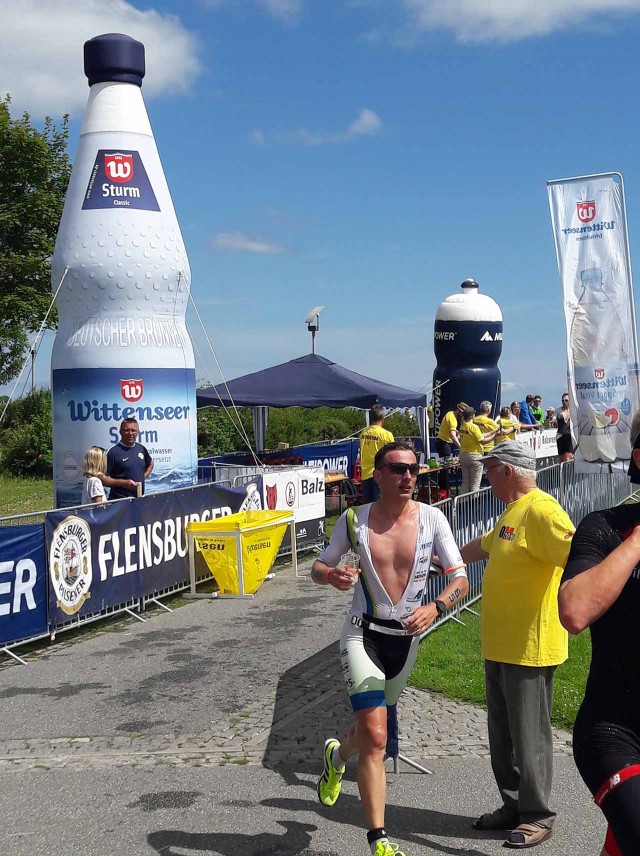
201, 732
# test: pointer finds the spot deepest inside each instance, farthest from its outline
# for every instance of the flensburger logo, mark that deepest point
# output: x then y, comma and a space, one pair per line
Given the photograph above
70, 564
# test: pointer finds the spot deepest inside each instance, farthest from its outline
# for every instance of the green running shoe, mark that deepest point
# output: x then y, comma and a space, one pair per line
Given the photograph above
331, 779
384, 847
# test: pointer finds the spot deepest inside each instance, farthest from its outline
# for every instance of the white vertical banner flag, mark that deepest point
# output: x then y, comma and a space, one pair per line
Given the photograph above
590, 231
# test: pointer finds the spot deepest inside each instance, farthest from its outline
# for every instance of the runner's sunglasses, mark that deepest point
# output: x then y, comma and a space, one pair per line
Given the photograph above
400, 469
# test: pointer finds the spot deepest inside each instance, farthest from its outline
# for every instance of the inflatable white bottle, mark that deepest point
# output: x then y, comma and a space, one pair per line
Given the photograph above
122, 348
597, 340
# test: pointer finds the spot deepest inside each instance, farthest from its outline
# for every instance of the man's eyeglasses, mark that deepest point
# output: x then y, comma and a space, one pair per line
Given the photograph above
494, 467
565, 401
401, 469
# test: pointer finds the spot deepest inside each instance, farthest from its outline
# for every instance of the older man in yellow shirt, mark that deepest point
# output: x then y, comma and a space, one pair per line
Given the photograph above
522, 641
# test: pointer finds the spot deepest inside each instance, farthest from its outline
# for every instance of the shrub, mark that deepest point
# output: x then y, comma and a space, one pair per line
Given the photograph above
26, 436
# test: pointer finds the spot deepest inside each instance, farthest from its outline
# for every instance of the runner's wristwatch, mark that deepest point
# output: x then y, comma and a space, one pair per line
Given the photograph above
441, 607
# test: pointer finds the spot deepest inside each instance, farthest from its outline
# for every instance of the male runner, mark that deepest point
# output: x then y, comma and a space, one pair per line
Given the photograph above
600, 589
396, 538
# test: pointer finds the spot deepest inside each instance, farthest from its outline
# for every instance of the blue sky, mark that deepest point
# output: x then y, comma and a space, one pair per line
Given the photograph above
366, 155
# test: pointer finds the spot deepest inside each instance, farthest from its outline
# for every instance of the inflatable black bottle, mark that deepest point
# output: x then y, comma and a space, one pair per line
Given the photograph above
467, 345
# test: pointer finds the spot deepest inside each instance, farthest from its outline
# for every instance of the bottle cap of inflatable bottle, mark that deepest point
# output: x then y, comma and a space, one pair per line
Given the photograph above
114, 58
469, 304
468, 284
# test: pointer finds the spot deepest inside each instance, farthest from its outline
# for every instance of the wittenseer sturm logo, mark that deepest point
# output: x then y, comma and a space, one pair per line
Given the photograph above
131, 389
119, 167
70, 564
586, 211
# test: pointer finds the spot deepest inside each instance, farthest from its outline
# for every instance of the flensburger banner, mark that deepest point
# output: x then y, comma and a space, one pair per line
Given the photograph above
590, 233
109, 554
23, 583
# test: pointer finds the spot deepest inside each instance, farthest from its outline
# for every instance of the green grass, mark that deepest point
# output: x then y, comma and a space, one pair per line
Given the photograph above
23, 496
449, 662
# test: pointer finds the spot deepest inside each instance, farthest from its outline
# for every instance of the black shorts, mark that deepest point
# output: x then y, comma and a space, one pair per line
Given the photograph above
565, 444
601, 749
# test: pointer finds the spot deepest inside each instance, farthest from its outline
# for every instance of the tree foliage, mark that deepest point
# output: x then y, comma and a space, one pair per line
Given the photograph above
26, 448
13, 345
296, 425
292, 425
217, 434
402, 425
34, 173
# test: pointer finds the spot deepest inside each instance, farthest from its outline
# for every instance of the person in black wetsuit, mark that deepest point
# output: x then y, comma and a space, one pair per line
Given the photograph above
563, 437
600, 589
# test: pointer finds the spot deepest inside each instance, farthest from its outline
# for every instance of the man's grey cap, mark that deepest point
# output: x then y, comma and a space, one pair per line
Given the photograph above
513, 453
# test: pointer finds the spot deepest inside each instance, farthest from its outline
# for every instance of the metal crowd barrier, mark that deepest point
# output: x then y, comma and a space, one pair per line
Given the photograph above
470, 515
29, 519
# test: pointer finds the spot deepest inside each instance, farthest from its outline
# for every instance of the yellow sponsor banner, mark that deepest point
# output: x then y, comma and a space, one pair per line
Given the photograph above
260, 533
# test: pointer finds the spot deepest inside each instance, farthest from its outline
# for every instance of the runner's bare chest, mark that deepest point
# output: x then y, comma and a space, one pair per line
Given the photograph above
393, 547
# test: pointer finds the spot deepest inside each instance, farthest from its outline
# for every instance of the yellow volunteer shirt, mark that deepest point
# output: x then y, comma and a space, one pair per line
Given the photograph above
372, 439
449, 422
527, 550
470, 437
486, 424
507, 424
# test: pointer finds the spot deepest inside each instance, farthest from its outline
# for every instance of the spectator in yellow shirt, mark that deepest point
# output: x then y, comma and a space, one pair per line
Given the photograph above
509, 428
448, 435
471, 442
486, 423
522, 641
372, 439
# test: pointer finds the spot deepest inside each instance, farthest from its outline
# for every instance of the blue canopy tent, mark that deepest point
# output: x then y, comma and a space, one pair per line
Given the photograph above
310, 381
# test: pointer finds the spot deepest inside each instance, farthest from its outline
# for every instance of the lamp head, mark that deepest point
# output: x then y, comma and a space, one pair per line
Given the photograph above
313, 318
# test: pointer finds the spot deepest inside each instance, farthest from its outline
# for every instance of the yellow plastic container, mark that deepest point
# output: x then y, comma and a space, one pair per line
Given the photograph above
240, 549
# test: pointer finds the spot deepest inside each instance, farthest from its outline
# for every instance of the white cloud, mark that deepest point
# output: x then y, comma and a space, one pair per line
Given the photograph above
257, 137
366, 123
287, 11
41, 57
510, 20
243, 243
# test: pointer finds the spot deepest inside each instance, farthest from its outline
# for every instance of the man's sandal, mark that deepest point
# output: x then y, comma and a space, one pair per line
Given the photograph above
501, 818
528, 835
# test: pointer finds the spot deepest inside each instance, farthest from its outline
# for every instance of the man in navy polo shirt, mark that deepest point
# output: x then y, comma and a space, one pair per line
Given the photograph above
128, 460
